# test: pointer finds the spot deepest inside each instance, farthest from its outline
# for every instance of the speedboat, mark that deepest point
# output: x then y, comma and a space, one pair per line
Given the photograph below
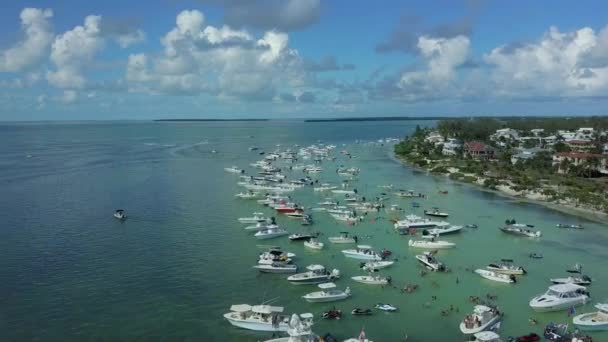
261, 226
328, 293
408, 194
441, 230
315, 274
300, 330
343, 238
344, 191
435, 212
428, 260
362, 252
414, 222
431, 244
483, 318
506, 267
325, 187
372, 280
295, 214
120, 214
593, 321
234, 169
276, 267
247, 195
306, 220
570, 226
373, 266
361, 312
346, 217
487, 336
258, 317
583, 280
313, 243
301, 237
521, 230
560, 297
270, 233
495, 276
275, 255
257, 217
385, 307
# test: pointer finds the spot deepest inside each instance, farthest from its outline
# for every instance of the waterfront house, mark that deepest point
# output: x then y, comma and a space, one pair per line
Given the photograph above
478, 150
585, 133
434, 138
505, 133
566, 135
524, 154
451, 146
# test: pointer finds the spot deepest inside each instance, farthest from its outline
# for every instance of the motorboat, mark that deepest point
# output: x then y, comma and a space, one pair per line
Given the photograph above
346, 217
260, 226
361, 312
372, 280
270, 233
495, 276
431, 244
302, 237
300, 329
483, 318
505, 266
372, 266
120, 214
362, 252
328, 293
344, 191
569, 226
247, 195
560, 297
332, 314
471, 225
428, 260
583, 280
307, 220
593, 321
415, 222
258, 317
343, 238
520, 230
486, 336
234, 169
276, 267
316, 274
275, 255
435, 212
408, 194
442, 230
257, 217
295, 214
325, 187
385, 307
287, 208
313, 243
560, 333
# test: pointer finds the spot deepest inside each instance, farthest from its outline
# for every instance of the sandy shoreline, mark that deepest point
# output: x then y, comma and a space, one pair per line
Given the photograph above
587, 214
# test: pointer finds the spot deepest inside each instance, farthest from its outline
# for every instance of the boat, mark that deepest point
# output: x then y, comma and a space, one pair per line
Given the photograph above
372, 280
344, 191
583, 280
520, 230
313, 243
234, 169
257, 217
372, 266
332, 314
495, 276
346, 217
307, 220
428, 260
270, 233
275, 255
431, 244
295, 214
570, 226
316, 274
328, 293
361, 338
483, 318
325, 187
300, 330
361, 312
247, 195
442, 230
415, 222
385, 307
408, 194
254, 148
258, 317
302, 237
593, 321
471, 225
120, 214
535, 256
276, 267
560, 297
505, 266
435, 212
362, 252
560, 333
487, 336
260, 226
343, 238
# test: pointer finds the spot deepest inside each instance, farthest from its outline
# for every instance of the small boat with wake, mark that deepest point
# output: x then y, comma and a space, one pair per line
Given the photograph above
569, 226
120, 214
495, 276
385, 307
435, 212
429, 261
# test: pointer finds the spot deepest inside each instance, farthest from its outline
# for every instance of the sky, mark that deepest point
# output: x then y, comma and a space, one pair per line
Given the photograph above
225, 59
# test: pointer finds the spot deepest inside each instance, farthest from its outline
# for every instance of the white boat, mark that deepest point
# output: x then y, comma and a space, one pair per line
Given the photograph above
593, 321
372, 280
362, 252
313, 244
483, 318
442, 230
258, 317
247, 195
486, 336
260, 226
257, 217
431, 244
270, 233
343, 238
328, 293
505, 266
346, 217
361, 338
234, 169
416, 222
300, 330
325, 187
276, 267
577, 280
521, 230
120, 214
560, 297
372, 266
385, 307
275, 255
495, 276
428, 260
435, 212
315, 274
344, 192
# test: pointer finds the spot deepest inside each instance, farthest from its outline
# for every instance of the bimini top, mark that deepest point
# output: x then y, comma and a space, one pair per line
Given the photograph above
486, 336
563, 288
240, 308
266, 309
306, 315
315, 267
364, 246
327, 286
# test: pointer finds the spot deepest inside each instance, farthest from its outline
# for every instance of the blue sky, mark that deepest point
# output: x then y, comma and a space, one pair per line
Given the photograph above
77, 60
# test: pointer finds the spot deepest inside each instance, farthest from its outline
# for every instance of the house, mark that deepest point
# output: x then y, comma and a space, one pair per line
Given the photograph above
585, 133
537, 132
451, 146
525, 154
434, 138
578, 158
566, 135
478, 150
505, 133
580, 145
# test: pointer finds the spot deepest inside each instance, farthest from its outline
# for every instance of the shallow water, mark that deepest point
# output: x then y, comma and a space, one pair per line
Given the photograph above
70, 271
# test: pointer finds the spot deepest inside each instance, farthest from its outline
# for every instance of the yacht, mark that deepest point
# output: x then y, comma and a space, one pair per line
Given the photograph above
435, 212
505, 266
346, 217
316, 274
583, 280
372, 280
431, 244
593, 321
120, 214
495, 276
270, 233
521, 230
328, 293
362, 252
247, 195
560, 297
234, 169
258, 317
313, 243
483, 318
372, 266
300, 330
343, 238
325, 187
415, 222
428, 260
276, 267
301, 237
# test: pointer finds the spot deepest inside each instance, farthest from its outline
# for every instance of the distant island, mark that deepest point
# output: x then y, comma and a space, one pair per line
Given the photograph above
206, 120
379, 118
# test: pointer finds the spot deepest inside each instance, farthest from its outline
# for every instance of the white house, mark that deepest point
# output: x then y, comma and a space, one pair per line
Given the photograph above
506, 133
434, 138
584, 133
450, 146
537, 131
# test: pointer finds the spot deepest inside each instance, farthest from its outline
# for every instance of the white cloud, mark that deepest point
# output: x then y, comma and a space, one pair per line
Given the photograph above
41, 100
69, 96
33, 48
130, 38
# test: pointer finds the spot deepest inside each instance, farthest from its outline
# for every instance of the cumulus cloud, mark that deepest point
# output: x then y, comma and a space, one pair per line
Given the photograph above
33, 48
122, 32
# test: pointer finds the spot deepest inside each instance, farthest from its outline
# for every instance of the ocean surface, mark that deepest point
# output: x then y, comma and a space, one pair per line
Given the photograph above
69, 271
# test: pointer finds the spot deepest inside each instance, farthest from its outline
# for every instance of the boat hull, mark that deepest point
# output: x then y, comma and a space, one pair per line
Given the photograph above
556, 306
257, 326
586, 322
358, 256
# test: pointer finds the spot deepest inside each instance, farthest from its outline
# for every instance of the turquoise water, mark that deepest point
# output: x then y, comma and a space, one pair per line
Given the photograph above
70, 271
